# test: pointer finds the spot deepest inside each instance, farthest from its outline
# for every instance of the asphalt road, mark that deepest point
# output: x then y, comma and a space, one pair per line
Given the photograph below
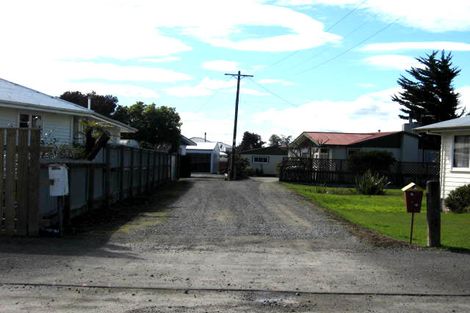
209, 245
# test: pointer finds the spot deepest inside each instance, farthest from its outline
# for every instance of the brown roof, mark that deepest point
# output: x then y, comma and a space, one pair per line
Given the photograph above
343, 139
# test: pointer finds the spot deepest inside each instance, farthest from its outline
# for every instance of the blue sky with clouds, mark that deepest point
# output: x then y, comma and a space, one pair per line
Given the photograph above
317, 65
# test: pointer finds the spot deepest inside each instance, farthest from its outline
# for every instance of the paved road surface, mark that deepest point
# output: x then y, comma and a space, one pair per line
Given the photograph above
208, 245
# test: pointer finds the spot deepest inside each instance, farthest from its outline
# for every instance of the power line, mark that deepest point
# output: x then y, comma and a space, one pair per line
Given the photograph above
326, 30
347, 50
273, 93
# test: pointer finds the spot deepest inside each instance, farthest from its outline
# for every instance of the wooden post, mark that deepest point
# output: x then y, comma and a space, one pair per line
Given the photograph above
22, 183
131, 174
147, 182
10, 182
411, 227
107, 177
91, 186
2, 147
433, 213
154, 168
34, 176
121, 174
141, 169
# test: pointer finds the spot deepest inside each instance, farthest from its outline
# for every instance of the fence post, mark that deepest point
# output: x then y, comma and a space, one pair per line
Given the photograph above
121, 173
34, 172
147, 181
10, 182
107, 177
131, 174
433, 213
91, 186
2, 133
141, 170
22, 183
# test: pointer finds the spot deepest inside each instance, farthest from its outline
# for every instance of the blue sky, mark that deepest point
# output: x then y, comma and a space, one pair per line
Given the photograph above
327, 65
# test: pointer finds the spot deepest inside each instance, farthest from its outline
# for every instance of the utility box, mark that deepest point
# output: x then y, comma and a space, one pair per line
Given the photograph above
59, 180
413, 198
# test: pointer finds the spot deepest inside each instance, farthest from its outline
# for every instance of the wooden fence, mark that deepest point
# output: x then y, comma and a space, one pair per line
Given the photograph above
333, 171
117, 173
19, 181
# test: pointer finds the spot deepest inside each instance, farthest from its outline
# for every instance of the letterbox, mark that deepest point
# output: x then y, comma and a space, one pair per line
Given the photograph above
413, 198
58, 177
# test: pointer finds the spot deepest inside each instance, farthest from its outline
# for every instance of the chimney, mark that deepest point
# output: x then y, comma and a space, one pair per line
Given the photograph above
89, 102
205, 139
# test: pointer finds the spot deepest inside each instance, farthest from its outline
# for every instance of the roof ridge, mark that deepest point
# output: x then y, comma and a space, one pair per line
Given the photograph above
44, 94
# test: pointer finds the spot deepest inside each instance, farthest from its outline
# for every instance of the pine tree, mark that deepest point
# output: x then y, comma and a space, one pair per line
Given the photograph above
429, 97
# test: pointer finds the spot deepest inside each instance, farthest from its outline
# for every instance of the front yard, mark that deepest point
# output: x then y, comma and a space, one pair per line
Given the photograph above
386, 214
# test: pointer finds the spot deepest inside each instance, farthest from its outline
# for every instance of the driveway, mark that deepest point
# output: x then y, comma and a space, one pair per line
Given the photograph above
209, 245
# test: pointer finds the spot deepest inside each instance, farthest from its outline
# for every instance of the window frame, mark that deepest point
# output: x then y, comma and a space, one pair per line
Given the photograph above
260, 156
452, 160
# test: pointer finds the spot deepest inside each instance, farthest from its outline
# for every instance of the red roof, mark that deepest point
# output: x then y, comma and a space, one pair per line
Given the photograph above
343, 139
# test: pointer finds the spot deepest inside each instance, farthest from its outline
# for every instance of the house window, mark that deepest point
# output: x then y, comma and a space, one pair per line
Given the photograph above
461, 152
30, 121
260, 159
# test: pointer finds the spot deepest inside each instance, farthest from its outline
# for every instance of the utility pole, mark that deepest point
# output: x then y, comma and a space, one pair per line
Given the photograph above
232, 173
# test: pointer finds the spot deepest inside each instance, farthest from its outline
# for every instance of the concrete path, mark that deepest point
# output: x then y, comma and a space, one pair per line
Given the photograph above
209, 245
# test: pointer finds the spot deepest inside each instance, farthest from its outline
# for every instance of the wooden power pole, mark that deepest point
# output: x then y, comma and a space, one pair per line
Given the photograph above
232, 157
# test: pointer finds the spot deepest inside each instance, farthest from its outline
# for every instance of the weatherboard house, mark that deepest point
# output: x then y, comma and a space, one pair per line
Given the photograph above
265, 161
403, 145
59, 120
454, 153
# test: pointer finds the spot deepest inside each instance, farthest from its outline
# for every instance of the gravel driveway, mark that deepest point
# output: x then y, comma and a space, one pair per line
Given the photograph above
209, 245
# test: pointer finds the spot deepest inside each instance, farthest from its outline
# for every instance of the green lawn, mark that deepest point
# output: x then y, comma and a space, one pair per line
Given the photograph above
386, 214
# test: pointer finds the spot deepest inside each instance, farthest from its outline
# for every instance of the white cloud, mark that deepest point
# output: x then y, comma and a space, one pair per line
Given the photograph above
161, 60
195, 124
417, 45
271, 81
366, 113
392, 62
206, 87
221, 66
465, 97
429, 15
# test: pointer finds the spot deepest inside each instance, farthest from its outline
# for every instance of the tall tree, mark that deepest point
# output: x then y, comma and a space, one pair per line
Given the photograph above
157, 126
250, 141
279, 141
429, 96
104, 105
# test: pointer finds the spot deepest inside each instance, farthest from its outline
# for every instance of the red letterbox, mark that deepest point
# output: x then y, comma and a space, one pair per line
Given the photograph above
413, 198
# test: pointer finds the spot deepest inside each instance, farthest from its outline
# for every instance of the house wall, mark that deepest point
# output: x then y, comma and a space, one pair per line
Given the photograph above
214, 158
409, 149
60, 125
451, 178
270, 168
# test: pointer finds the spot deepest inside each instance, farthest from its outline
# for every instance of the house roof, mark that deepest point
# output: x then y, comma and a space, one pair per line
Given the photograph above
342, 139
267, 151
15, 95
185, 141
203, 146
461, 123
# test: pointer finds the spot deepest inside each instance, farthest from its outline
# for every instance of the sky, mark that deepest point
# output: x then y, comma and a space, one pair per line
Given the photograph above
326, 65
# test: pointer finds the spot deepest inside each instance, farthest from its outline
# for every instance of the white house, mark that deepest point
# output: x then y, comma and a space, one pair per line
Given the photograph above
205, 156
265, 160
24, 107
454, 154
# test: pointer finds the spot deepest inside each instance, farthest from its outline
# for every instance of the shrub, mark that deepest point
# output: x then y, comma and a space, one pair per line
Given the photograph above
458, 200
375, 161
371, 184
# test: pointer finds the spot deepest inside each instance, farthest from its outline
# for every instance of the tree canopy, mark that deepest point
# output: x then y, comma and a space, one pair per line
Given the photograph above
250, 141
279, 140
104, 105
429, 96
157, 126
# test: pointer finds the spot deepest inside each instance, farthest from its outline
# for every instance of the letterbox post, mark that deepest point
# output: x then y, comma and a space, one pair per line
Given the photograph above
433, 213
413, 197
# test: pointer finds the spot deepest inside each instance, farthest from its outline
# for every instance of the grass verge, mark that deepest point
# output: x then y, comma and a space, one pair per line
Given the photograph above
386, 214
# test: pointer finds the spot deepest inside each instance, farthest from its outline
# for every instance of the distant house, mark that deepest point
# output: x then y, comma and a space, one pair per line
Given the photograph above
265, 160
404, 146
205, 156
454, 154
58, 119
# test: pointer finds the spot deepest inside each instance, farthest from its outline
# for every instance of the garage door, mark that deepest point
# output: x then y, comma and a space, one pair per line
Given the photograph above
200, 163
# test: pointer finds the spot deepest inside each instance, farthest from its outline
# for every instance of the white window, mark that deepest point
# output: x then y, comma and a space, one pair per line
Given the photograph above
30, 121
461, 152
260, 159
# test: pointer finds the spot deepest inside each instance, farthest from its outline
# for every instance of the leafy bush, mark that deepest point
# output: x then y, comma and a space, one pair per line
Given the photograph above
371, 184
458, 200
374, 161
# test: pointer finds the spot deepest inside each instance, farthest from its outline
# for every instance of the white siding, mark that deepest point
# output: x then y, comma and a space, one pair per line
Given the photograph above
60, 125
8, 117
270, 168
450, 178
